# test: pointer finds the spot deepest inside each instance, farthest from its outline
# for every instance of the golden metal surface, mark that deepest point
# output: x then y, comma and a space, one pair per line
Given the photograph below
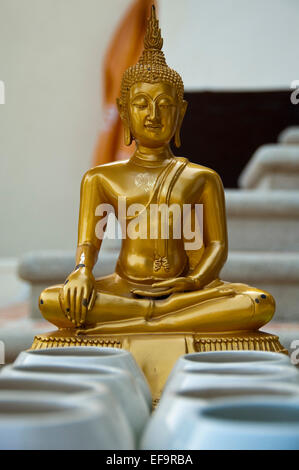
159, 286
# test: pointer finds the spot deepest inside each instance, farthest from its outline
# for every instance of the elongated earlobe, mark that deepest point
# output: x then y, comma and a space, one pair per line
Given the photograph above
127, 135
177, 137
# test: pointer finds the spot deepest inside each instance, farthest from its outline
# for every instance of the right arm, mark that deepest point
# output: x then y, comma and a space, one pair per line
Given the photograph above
79, 290
91, 196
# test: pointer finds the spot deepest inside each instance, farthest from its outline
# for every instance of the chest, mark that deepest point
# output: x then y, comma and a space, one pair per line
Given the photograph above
145, 187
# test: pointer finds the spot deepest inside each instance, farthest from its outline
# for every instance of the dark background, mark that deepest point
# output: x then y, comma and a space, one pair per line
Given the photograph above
222, 130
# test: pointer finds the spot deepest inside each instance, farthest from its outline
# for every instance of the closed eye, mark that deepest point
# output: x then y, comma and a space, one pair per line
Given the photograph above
165, 104
140, 103
140, 106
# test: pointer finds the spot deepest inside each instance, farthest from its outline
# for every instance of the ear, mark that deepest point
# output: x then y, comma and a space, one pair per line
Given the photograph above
127, 132
177, 138
120, 108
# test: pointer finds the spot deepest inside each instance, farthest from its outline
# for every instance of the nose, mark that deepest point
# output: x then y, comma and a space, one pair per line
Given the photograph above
154, 112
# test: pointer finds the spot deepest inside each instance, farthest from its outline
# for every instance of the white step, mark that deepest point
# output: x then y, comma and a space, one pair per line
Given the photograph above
289, 136
263, 220
273, 166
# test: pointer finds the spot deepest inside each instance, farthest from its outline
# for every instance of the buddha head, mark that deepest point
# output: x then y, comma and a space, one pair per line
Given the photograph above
151, 104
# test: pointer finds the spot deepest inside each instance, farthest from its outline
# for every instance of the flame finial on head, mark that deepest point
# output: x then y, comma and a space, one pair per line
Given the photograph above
152, 38
152, 66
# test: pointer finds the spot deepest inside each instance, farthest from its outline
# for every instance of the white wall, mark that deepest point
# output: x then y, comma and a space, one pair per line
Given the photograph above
50, 60
232, 44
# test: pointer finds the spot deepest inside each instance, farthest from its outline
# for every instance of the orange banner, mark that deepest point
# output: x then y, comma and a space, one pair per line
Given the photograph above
124, 51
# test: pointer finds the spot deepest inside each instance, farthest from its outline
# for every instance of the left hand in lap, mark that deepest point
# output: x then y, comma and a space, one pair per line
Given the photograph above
176, 284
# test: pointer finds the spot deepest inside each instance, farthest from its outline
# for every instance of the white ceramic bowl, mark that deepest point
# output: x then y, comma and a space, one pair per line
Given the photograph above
88, 355
261, 424
45, 423
119, 382
176, 417
232, 375
229, 359
69, 390
33, 384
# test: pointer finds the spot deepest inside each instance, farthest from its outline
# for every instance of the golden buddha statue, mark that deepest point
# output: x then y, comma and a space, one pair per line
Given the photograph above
159, 286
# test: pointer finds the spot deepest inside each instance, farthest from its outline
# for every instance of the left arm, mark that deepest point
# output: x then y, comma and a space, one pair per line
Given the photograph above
214, 232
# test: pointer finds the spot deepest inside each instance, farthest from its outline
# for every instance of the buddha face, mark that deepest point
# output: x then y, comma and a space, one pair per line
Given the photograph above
154, 113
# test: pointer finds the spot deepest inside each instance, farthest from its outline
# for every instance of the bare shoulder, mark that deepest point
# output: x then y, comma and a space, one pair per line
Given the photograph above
203, 171
105, 170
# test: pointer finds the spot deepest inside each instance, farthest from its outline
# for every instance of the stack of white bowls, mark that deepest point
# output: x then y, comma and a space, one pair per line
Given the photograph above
73, 398
227, 400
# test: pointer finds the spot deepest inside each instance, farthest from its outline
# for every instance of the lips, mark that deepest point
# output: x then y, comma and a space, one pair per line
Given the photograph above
153, 126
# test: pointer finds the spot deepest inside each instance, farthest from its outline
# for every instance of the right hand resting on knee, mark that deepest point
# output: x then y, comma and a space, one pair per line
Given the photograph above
78, 295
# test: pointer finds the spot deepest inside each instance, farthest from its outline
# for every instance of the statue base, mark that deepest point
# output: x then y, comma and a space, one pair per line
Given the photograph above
157, 353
